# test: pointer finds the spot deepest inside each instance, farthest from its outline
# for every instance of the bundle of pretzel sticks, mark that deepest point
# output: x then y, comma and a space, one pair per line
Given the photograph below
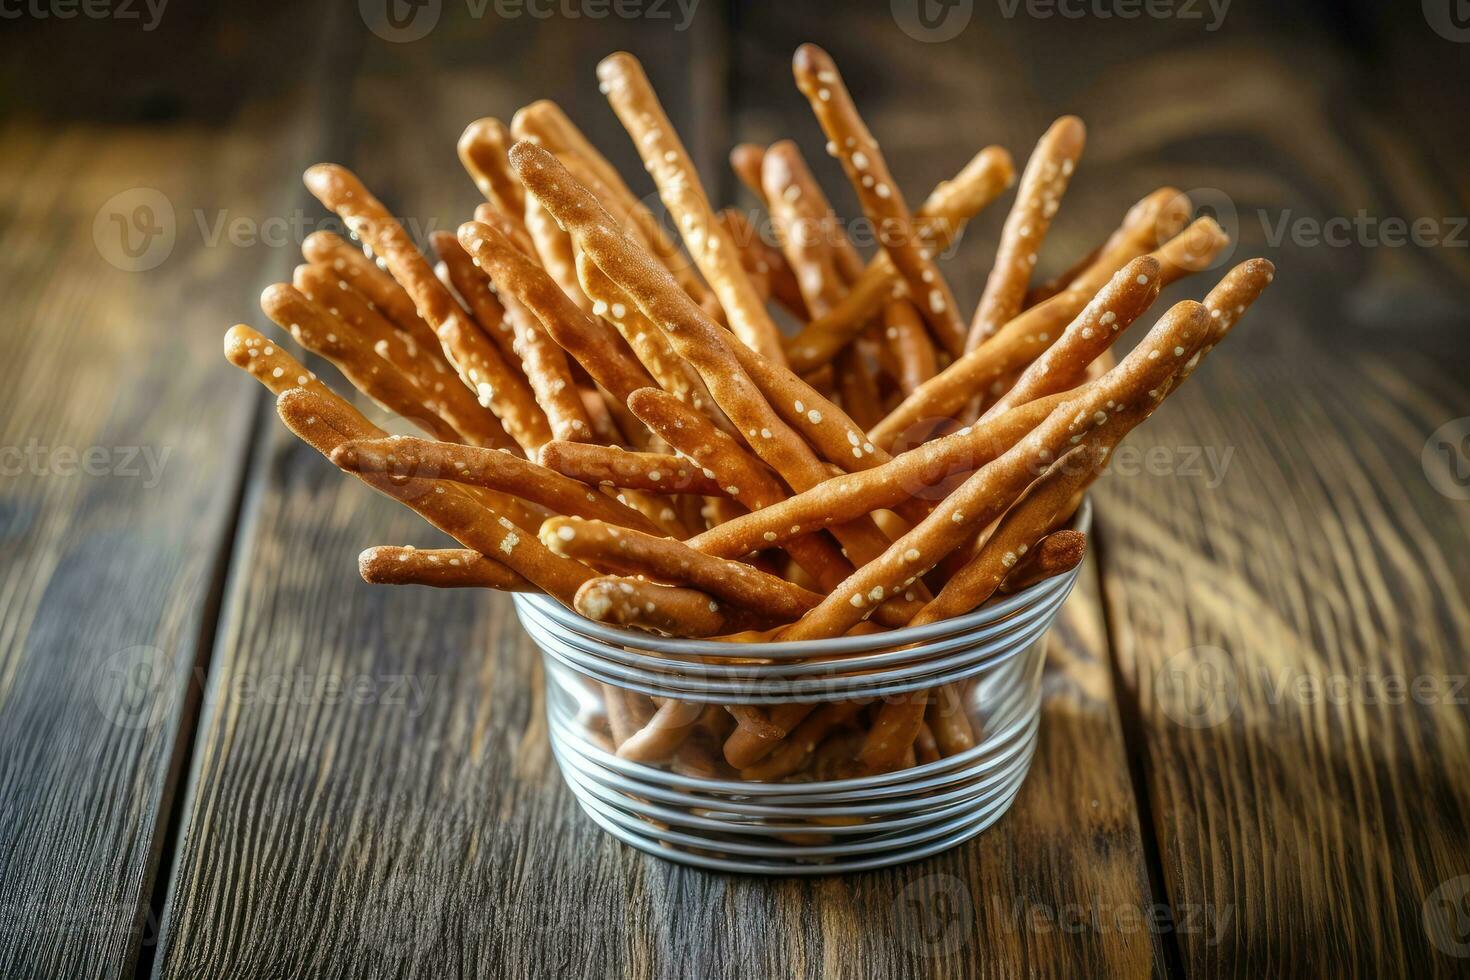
614, 418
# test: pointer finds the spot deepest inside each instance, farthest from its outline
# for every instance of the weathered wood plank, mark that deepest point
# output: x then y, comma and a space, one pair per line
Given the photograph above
122, 462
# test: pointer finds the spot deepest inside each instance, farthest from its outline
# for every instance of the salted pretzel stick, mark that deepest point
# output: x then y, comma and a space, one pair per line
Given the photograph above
913, 351
597, 348
765, 262
1156, 218
796, 749
708, 348
1065, 362
881, 199
811, 237
938, 222
554, 248
406, 457
920, 472
747, 746
1043, 183
982, 497
630, 552
612, 466
664, 609
442, 392
478, 293
1057, 553
482, 148
636, 105
440, 568
1025, 337
544, 124
360, 273
670, 725
321, 333
858, 388
627, 712
947, 720
471, 353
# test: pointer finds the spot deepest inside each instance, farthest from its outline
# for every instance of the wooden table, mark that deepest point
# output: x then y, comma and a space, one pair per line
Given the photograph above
223, 755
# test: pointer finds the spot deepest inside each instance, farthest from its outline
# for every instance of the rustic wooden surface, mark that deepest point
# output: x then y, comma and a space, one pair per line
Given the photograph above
186, 793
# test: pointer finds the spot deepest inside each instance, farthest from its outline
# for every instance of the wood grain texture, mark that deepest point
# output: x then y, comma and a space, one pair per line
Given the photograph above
122, 453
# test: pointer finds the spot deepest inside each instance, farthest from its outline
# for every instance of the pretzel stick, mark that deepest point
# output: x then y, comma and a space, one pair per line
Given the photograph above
812, 239
611, 466
471, 353
670, 725
1043, 183
913, 351
321, 333
406, 457
938, 222
746, 160
764, 261
796, 749
627, 712
1057, 553
482, 148
747, 746
881, 199
926, 748
947, 720
981, 498
1065, 362
1151, 222
440, 568
630, 552
442, 393
544, 124
555, 251
920, 472
360, 273
478, 293
636, 105
586, 338
664, 609
859, 389
1025, 337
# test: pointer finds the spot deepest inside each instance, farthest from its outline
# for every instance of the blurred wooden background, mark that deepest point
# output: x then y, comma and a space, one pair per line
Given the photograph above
178, 797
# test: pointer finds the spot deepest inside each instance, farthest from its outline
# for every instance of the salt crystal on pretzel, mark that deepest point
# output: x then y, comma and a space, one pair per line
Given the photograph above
1028, 335
472, 354
982, 497
440, 568
1152, 221
359, 272
630, 552
636, 105
882, 200
613, 466
405, 457
938, 222
1043, 183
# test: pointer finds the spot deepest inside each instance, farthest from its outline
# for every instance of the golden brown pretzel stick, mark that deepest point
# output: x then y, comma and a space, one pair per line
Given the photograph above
321, 333
612, 466
636, 105
1065, 362
406, 457
1043, 183
796, 749
1057, 553
858, 388
1156, 218
926, 748
764, 261
272, 366
921, 472
812, 238
670, 725
440, 568
627, 712
646, 340
379, 288
482, 148
707, 347
664, 609
982, 497
913, 351
948, 721
745, 162
544, 124
597, 348
443, 393
1025, 337
748, 745
629, 552
938, 223
471, 353
475, 288
554, 249
881, 199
